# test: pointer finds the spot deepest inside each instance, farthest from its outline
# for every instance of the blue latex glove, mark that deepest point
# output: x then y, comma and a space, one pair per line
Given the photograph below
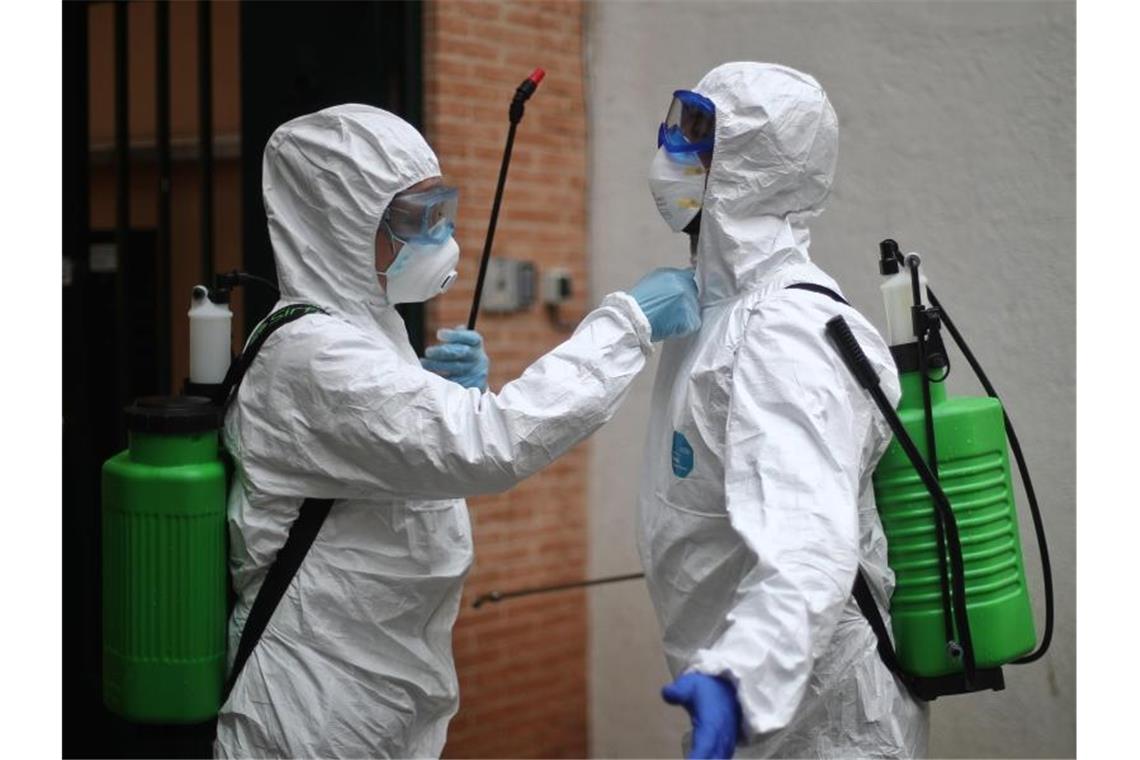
712, 706
460, 358
668, 297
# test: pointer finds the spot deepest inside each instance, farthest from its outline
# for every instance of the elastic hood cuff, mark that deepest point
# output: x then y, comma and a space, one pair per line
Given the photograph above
627, 306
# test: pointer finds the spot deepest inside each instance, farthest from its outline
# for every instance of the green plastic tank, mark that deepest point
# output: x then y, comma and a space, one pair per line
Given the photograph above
164, 565
973, 469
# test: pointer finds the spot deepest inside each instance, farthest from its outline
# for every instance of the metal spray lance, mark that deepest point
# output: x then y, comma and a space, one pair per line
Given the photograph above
515, 114
518, 103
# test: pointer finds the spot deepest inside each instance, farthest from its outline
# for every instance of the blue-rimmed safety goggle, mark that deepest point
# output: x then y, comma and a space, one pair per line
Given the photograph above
689, 125
424, 217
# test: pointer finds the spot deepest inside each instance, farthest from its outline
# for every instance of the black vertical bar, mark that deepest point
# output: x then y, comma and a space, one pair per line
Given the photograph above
262, 104
403, 45
411, 63
76, 152
80, 632
122, 207
206, 139
162, 140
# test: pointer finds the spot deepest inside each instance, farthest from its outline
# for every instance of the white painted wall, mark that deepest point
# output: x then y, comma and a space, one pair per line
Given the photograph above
957, 138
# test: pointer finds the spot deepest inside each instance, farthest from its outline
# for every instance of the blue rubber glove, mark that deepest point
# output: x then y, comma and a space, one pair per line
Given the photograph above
460, 358
668, 297
712, 706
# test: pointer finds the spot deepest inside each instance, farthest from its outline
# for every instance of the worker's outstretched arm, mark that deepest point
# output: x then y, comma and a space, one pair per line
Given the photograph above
343, 416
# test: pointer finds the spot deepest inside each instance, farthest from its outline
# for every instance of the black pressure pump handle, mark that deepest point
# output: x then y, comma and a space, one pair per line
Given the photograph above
515, 114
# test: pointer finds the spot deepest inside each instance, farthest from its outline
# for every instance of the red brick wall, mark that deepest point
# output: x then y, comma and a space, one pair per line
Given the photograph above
522, 664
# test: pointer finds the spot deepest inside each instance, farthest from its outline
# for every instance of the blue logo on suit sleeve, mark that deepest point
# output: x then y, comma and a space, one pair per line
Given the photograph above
682, 455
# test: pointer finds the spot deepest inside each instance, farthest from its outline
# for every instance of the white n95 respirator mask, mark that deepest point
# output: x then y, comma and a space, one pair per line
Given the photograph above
677, 181
421, 271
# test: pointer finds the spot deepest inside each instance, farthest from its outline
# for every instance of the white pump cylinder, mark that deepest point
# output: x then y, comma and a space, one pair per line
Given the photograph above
209, 338
898, 299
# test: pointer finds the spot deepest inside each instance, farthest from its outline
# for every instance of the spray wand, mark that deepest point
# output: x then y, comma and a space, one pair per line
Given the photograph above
515, 114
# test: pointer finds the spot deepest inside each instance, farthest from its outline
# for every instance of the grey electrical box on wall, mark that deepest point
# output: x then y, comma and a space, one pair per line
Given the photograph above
509, 285
556, 286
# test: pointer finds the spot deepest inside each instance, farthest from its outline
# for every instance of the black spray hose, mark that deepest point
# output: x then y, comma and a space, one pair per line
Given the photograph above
229, 280
246, 278
518, 103
498, 596
1034, 509
920, 333
852, 353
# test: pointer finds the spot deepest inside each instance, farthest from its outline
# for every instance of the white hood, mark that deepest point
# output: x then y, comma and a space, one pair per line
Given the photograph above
327, 178
777, 140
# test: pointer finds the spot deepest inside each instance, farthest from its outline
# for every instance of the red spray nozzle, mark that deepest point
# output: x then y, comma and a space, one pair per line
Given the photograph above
523, 93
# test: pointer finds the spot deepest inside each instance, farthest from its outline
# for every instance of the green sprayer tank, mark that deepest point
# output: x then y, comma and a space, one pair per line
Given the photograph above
164, 565
974, 471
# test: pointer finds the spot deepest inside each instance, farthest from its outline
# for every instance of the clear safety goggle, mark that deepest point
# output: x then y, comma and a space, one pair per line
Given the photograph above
423, 217
689, 124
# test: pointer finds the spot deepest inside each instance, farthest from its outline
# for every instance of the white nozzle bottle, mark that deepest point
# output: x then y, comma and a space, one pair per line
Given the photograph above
209, 338
898, 295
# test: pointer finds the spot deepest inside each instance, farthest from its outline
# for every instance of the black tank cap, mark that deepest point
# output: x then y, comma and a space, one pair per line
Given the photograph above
888, 257
173, 415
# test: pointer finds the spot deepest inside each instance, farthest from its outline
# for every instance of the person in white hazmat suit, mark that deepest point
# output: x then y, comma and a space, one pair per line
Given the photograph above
756, 507
356, 660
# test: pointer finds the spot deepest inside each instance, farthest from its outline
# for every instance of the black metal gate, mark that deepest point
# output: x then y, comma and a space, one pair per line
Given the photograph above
295, 57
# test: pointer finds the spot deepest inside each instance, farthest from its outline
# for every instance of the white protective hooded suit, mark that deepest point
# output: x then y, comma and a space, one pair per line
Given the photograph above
756, 506
356, 661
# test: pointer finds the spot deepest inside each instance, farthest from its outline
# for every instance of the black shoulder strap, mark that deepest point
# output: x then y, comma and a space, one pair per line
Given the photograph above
301, 536
866, 601
862, 590
823, 290
238, 367
304, 529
